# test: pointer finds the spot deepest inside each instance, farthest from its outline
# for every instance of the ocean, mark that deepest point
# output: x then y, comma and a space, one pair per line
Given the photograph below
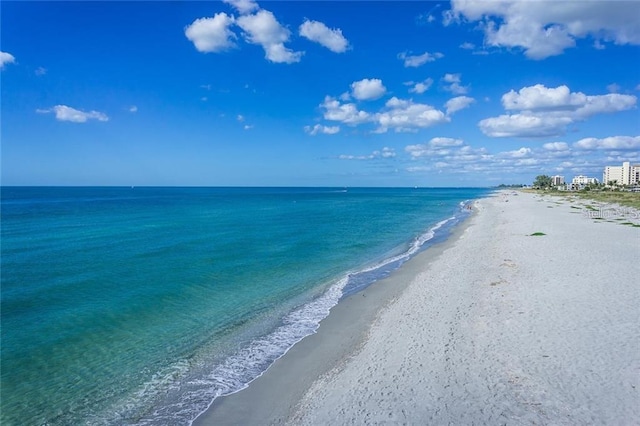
139, 306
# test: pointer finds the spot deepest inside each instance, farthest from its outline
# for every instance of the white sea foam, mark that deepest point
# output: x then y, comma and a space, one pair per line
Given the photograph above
235, 373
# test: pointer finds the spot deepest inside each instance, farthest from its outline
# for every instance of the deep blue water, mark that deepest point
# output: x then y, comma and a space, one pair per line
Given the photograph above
141, 305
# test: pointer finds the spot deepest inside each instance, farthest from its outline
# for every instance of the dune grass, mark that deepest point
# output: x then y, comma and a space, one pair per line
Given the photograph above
629, 199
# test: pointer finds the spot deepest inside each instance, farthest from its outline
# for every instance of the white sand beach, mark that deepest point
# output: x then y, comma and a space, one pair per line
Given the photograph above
497, 326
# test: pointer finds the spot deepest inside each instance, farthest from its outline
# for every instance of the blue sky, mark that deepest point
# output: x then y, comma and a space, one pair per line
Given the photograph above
461, 93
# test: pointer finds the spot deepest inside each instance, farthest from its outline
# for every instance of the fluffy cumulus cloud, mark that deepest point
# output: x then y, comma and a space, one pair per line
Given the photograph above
610, 143
405, 115
6, 58
212, 34
457, 158
436, 147
544, 29
262, 28
368, 89
418, 60
523, 125
542, 111
66, 113
458, 103
243, 6
518, 153
321, 129
419, 87
346, 113
385, 152
556, 146
318, 32
452, 83
441, 142
586, 156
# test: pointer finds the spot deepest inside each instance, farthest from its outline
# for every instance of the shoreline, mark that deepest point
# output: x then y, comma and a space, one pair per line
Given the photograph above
274, 395
528, 313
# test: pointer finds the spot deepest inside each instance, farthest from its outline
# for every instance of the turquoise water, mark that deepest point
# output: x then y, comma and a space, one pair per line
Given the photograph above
141, 305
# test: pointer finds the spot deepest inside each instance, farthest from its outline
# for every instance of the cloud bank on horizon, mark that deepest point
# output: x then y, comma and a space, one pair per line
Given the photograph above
466, 92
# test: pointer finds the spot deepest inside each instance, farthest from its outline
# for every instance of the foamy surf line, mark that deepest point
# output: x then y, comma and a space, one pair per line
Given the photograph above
235, 373
306, 320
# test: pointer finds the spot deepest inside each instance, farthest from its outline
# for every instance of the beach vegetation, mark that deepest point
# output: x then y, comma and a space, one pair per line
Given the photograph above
543, 182
537, 234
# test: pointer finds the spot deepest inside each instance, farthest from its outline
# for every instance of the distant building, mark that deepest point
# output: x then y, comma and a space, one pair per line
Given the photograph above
557, 180
626, 174
583, 180
580, 182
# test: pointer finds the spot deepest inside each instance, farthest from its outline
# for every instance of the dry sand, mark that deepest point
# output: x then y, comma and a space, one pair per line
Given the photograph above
496, 327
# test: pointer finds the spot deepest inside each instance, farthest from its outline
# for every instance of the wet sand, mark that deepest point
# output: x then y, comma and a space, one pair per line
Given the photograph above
494, 326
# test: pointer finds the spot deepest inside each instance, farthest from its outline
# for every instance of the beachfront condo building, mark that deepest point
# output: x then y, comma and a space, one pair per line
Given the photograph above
583, 180
626, 174
557, 180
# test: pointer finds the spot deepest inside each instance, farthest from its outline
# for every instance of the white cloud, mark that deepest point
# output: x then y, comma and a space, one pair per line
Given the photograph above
436, 147
452, 84
346, 113
418, 60
6, 58
441, 142
612, 142
556, 146
449, 152
467, 46
263, 29
212, 34
385, 152
243, 6
546, 111
318, 32
133, 108
40, 71
458, 103
320, 129
613, 88
539, 97
546, 29
240, 118
65, 113
519, 153
405, 115
523, 125
420, 87
248, 126
368, 89
586, 157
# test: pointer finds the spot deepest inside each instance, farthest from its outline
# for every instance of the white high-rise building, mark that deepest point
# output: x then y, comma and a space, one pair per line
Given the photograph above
622, 175
557, 180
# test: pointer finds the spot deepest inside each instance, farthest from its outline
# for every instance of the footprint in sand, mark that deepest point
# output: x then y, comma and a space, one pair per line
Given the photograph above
499, 282
508, 263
